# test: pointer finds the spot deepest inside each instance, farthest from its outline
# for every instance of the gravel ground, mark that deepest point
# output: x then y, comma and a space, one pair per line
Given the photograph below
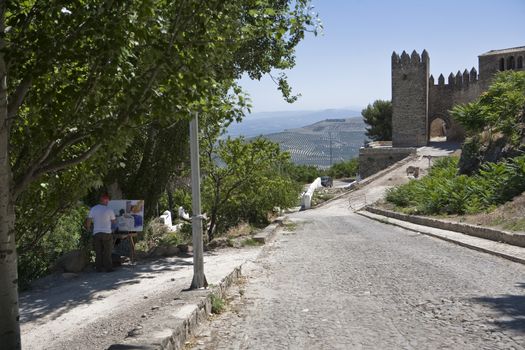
341, 281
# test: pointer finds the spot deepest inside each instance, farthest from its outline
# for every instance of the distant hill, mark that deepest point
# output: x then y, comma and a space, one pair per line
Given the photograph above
312, 144
271, 122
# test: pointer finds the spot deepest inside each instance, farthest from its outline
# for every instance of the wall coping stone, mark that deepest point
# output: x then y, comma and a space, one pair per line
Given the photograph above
512, 238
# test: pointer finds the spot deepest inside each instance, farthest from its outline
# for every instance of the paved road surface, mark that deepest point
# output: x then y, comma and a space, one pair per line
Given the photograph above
341, 281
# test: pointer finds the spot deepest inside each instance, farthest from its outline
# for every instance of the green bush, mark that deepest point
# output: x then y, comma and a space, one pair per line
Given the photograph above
500, 109
171, 238
302, 173
182, 198
443, 191
39, 256
344, 169
248, 185
217, 304
154, 233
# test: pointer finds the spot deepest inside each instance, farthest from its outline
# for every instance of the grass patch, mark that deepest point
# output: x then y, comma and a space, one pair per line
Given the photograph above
217, 304
250, 242
242, 229
320, 197
290, 226
515, 225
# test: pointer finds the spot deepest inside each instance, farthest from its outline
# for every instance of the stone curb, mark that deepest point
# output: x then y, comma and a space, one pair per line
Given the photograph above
507, 252
266, 234
171, 330
512, 238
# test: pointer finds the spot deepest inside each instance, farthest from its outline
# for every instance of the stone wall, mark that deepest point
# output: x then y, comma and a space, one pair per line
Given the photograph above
373, 160
461, 88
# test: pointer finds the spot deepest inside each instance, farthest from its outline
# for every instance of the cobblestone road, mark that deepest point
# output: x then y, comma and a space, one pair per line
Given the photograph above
341, 281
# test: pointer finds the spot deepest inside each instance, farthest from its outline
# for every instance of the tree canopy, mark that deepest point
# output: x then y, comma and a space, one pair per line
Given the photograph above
83, 81
243, 180
378, 117
494, 122
500, 109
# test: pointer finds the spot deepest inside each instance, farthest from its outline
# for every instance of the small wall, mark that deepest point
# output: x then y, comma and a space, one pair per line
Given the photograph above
306, 198
513, 238
373, 160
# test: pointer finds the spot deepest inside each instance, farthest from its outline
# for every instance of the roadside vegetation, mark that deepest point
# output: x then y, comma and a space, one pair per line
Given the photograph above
218, 304
491, 170
378, 117
346, 169
321, 196
243, 182
445, 191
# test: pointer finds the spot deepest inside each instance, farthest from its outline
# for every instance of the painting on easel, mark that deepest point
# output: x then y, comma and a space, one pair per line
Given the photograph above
129, 214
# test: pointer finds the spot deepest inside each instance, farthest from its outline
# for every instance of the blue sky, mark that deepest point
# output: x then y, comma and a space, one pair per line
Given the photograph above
348, 66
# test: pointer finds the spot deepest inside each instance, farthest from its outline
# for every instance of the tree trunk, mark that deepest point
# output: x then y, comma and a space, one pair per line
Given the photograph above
211, 227
170, 200
9, 319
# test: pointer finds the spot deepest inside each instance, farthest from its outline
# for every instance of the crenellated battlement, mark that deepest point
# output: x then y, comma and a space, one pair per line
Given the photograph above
413, 59
456, 81
409, 95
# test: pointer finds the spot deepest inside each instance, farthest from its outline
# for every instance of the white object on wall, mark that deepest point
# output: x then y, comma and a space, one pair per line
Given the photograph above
165, 218
183, 215
306, 198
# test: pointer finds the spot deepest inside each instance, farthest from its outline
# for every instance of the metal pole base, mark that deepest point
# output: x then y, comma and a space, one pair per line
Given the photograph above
199, 282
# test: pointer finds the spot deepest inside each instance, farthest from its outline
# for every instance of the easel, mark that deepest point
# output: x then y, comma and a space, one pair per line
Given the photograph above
127, 236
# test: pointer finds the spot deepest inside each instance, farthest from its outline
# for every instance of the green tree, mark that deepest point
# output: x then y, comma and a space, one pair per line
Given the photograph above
494, 122
80, 80
500, 109
243, 182
344, 169
302, 173
378, 116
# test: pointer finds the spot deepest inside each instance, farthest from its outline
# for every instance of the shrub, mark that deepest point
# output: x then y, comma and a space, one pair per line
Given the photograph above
301, 173
443, 191
344, 169
38, 256
154, 233
217, 304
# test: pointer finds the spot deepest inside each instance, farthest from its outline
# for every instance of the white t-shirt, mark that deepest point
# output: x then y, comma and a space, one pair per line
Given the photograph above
101, 216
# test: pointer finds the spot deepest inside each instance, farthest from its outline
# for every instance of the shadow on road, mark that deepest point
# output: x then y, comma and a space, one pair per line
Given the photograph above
447, 146
510, 307
56, 295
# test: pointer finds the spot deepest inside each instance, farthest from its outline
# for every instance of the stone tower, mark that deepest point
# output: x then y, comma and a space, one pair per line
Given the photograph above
410, 83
